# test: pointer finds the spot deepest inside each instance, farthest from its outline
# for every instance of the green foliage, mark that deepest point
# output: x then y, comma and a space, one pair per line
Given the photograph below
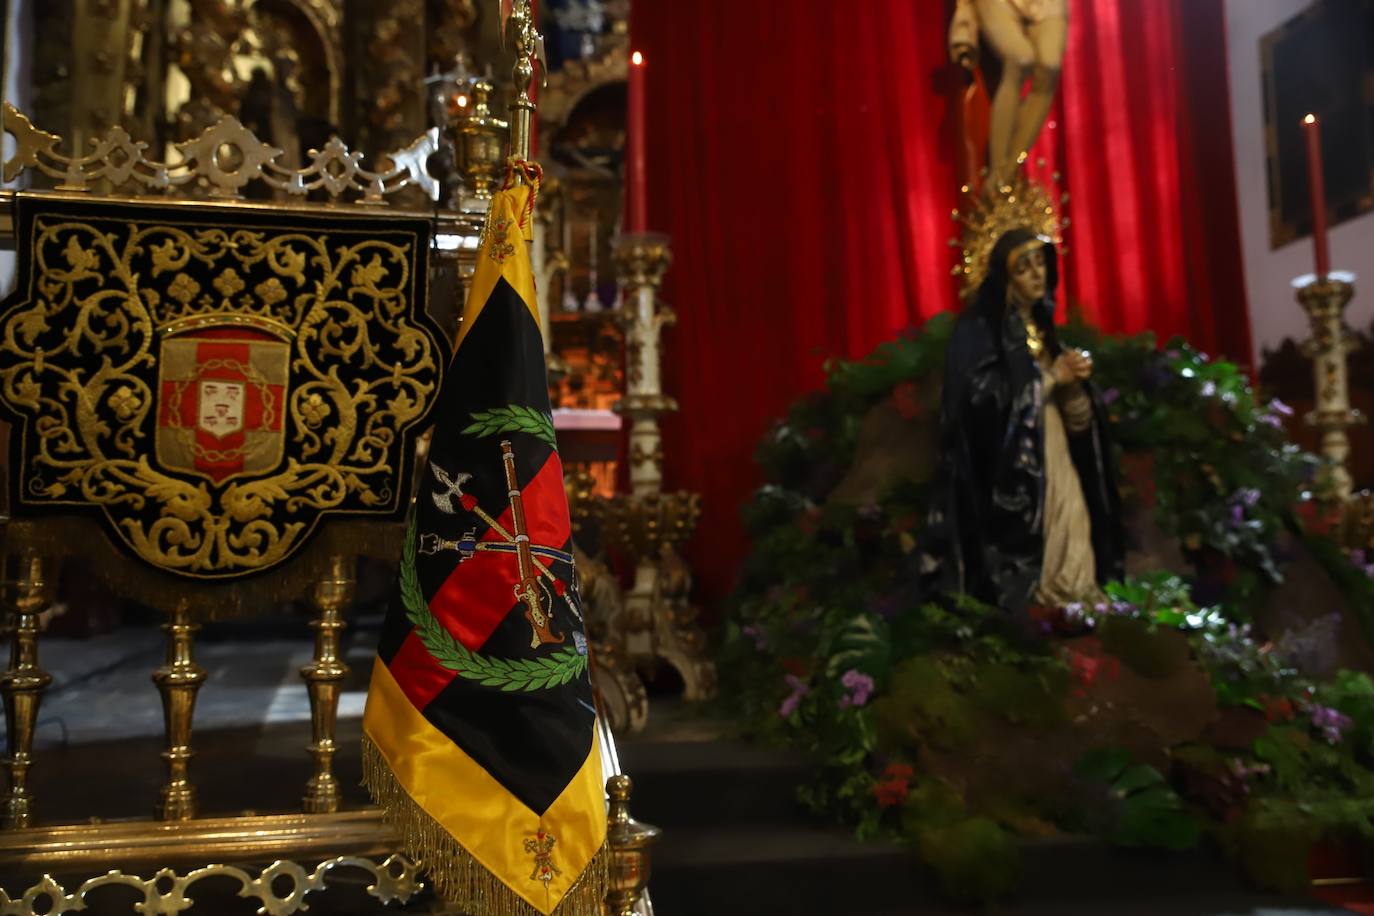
1354, 583
861, 645
827, 593
975, 859
923, 707
1272, 842
1150, 813
1226, 451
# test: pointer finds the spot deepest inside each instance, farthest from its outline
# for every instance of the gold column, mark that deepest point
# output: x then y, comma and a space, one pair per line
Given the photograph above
1325, 299
630, 843
23, 682
324, 679
178, 681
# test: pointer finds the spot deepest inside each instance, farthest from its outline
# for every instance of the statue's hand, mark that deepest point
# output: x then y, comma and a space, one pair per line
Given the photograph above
1081, 362
1072, 366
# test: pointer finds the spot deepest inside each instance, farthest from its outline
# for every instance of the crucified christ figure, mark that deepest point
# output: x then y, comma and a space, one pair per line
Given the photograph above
1028, 36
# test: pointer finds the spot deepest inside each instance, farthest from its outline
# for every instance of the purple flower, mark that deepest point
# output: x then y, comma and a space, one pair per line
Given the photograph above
1209, 388
793, 699
1237, 513
1110, 396
757, 634
1250, 497
1332, 723
1275, 413
859, 685
1363, 561
1124, 608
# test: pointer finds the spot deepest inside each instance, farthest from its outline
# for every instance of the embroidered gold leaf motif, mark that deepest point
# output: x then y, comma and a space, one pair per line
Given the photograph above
125, 402
31, 325
270, 291
169, 256
81, 260
229, 283
183, 289
358, 370
370, 275
288, 262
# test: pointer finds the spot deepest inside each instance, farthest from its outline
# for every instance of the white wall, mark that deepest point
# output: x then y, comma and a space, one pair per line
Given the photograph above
1274, 313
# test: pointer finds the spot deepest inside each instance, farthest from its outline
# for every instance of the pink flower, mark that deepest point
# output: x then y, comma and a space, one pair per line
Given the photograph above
859, 685
793, 699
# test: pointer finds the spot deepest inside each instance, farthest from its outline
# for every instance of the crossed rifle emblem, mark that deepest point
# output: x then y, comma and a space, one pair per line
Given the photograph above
533, 588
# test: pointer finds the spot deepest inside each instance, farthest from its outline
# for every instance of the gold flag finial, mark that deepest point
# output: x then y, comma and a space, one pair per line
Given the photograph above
517, 23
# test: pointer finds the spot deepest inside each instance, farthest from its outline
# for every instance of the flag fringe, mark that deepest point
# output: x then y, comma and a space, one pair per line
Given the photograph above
458, 877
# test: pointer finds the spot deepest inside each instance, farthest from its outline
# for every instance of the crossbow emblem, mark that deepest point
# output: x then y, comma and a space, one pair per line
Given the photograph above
532, 589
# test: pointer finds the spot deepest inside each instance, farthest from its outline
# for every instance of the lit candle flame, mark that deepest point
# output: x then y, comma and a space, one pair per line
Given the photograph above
1310, 119
637, 59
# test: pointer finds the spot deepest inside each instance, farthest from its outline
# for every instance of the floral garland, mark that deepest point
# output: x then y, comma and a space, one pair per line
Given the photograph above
828, 649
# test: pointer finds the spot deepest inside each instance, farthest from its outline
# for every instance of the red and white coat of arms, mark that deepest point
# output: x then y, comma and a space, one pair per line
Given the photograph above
222, 402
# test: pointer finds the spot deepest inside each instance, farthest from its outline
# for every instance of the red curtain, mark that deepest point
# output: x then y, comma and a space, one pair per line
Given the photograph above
802, 158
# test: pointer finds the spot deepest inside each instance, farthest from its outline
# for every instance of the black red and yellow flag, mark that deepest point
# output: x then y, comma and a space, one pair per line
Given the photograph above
480, 735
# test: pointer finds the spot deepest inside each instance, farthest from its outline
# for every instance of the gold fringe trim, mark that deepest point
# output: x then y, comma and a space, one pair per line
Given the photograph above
458, 877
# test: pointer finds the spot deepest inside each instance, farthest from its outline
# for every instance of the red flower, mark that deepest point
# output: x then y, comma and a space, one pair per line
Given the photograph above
902, 771
1277, 709
905, 400
891, 792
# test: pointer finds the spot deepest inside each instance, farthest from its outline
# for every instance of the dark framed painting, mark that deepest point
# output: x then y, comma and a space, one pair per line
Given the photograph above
1319, 62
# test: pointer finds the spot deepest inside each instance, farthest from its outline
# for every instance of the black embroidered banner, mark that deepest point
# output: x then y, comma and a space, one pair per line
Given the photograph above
214, 379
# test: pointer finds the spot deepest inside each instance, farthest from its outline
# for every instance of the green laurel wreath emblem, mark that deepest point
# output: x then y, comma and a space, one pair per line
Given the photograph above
513, 419
509, 674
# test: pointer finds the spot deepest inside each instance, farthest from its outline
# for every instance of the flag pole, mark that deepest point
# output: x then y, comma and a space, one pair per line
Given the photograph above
529, 51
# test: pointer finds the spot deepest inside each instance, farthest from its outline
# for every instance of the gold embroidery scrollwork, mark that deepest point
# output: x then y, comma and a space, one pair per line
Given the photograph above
78, 365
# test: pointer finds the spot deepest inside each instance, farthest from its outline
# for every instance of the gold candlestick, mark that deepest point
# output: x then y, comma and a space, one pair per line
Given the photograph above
324, 678
656, 620
1325, 299
178, 681
478, 140
23, 684
630, 842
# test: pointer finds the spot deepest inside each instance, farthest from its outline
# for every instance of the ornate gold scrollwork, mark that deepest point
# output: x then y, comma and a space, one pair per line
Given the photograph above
117, 158
394, 879
100, 349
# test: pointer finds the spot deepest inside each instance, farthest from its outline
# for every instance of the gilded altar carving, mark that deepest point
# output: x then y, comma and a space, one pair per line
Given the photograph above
212, 391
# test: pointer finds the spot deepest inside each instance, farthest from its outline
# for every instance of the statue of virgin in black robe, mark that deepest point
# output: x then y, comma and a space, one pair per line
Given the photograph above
1025, 509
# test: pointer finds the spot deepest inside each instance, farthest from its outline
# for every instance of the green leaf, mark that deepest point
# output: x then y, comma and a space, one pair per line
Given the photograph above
515, 418
510, 675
